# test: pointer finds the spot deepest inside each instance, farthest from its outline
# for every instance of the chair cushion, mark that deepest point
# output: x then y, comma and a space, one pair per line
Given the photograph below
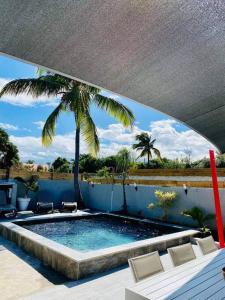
181, 254
207, 245
146, 265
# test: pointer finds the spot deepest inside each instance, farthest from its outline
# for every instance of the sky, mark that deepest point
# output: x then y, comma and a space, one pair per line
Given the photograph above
23, 118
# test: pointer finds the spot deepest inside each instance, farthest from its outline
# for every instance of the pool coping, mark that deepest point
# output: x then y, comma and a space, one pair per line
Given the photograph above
75, 264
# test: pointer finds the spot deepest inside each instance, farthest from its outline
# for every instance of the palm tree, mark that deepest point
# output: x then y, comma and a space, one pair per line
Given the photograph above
146, 146
77, 98
123, 158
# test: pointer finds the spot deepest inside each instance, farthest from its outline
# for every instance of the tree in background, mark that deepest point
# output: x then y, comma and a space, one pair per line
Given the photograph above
30, 162
146, 145
123, 164
9, 155
110, 162
89, 163
61, 165
77, 98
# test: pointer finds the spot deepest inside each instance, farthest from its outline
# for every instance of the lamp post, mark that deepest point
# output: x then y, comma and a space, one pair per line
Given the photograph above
219, 220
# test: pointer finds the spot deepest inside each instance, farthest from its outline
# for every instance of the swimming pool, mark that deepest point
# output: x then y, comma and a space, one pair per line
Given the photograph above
81, 244
97, 232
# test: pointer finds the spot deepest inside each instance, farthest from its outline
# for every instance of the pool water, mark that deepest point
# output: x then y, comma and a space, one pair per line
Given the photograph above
99, 232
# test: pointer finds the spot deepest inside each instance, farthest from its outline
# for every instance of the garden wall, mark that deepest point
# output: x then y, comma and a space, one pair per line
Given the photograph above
99, 196
108, 197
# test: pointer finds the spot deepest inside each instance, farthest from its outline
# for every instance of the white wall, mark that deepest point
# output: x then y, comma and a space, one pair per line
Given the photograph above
99, 197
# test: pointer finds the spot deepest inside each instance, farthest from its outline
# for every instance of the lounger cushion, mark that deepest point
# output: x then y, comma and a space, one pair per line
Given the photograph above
181, 254
207, 245
145, 265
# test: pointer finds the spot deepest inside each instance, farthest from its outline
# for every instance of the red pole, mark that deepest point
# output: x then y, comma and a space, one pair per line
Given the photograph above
219, 220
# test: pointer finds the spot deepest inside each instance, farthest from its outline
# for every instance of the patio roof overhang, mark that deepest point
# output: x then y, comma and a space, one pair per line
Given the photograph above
169, 55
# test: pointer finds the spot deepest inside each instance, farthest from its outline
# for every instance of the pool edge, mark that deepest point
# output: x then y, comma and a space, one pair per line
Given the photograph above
76, 265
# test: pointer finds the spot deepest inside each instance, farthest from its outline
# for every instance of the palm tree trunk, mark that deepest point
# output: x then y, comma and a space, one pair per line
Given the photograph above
78, 197
125, 208
148, 159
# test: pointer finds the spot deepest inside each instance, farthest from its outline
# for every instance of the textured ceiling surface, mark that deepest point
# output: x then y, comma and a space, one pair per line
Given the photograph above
169, 55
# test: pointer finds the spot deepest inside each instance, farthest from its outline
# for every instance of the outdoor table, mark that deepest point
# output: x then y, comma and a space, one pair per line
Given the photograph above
198, 279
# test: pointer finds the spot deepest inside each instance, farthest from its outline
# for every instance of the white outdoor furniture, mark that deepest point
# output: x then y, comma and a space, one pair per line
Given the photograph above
145, 266
207, 245
181, 254
199, 279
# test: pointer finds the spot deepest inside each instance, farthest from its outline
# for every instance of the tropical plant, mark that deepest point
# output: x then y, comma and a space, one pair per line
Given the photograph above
30, 184
123, 164
165, 200
145, 144
75, 97
199, 216
9, 155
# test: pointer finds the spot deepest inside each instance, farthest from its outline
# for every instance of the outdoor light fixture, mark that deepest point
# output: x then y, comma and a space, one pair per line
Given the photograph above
185, 188
135, 186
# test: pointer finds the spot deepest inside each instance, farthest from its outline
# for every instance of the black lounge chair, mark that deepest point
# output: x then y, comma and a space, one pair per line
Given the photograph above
69, 207
44, 207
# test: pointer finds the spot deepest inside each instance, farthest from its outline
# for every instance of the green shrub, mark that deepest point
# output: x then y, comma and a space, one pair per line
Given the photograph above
165, 200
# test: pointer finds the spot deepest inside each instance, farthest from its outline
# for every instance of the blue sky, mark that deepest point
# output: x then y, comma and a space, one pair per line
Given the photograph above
23, 116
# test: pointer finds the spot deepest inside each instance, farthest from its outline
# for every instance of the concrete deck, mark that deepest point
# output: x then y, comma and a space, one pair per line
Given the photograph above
21, 274
24, 277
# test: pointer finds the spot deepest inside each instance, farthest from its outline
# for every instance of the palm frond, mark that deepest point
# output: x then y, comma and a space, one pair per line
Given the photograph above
116, 109
49, 85
20, 179
89, 132
157, 153
143, 138
48, 130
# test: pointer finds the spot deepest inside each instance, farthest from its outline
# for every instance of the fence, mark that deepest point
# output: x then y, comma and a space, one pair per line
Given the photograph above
165, 177
160, 177
42, 175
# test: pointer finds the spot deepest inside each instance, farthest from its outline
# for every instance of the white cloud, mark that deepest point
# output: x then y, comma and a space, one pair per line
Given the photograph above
7, 126
24, 99
176, 144
117, 133
171, 142
30, 147
40, 124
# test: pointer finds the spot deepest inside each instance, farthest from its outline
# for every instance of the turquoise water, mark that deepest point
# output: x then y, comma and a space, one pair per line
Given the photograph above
95, 233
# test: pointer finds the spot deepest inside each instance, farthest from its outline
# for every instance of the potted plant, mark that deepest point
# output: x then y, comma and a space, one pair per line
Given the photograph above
198, 215
30, 185
165, 200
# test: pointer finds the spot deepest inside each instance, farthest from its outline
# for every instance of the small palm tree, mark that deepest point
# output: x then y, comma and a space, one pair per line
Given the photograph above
77, 98
198, 215
123, 163
146, 146
30, 184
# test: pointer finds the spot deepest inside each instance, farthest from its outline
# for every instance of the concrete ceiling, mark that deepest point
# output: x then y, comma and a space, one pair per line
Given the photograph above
169, 55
